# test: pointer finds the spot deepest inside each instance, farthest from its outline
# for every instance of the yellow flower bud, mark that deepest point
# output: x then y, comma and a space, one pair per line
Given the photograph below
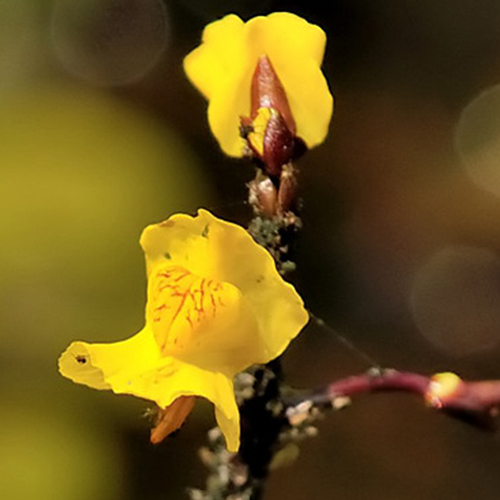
226, 67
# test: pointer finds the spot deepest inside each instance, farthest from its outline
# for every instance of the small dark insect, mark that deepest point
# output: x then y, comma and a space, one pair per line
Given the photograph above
81, 359
246, 128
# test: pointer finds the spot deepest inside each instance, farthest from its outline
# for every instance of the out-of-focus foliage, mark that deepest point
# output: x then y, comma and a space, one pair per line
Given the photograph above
49, 454
82, 171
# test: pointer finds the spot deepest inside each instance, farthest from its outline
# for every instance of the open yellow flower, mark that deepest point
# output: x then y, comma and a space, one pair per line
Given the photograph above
216, 305
223, 66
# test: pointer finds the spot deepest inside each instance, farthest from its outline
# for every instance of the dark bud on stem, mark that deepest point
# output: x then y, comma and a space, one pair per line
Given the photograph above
263, 195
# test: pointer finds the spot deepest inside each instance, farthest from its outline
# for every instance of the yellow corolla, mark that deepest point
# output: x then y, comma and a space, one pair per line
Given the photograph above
216, 305
223, 66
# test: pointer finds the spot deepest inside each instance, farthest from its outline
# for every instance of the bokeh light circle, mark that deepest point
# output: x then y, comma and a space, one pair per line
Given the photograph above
109, 42
455, 300
477, 139
18, 59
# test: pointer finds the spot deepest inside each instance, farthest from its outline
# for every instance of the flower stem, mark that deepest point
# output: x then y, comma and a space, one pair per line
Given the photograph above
476, 403
259, 389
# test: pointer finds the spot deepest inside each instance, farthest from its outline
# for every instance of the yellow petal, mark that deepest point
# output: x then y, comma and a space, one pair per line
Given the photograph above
218, 68
215, 60
134, 367
202, 321
95, 365
229, 424
286, 36
225, 253
276, 305
222, 68
180, 240
229, 102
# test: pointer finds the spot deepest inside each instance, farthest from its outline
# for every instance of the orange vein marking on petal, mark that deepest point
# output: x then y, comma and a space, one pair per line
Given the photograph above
178, 295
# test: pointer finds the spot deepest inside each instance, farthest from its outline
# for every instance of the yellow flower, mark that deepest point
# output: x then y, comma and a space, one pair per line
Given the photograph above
223, 66
216, 305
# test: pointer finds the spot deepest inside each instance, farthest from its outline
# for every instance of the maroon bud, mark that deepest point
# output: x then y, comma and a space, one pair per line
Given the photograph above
268, 92
269, 132
279, 144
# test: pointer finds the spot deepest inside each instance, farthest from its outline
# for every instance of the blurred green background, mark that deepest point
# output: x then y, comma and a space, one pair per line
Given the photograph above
101, 134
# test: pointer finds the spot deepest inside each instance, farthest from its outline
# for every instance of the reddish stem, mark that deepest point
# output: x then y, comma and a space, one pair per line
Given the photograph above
476, 402
388, 380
